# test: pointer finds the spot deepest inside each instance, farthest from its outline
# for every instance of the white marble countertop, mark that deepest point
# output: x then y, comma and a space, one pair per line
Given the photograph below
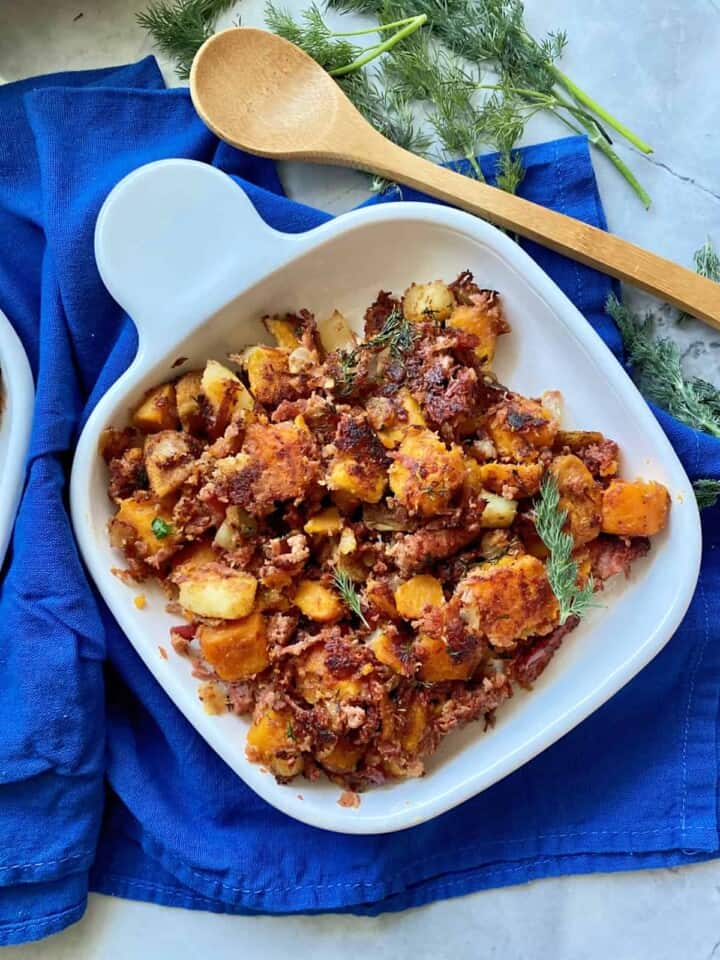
655, 64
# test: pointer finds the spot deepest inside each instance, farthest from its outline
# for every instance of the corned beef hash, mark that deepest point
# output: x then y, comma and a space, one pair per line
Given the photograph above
352, 529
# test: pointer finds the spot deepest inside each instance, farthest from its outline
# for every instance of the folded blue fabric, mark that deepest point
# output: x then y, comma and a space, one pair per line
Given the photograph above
103, 784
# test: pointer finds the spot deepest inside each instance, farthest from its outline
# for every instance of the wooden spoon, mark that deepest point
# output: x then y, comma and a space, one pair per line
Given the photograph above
263, 94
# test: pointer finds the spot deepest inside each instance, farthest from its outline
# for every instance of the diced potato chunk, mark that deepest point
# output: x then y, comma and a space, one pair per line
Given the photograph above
428, 302
511, 480
638, 509
150, 521
580, 497
521, 428
283, 331
317, 601
348, 542
225, 392
267, 370
217, 591
188, 390
425, 475
335, 333
484, 320
508, 600
236, 649
271, 741
498, 512
158, 410
415, 594
326, 522
169, 460
415, 726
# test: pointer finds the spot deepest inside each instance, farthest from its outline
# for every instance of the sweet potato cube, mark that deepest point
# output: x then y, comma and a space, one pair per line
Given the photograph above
316, 681
425, 475
508, 600
638, 509
146, 519
325, 523
437, 663
392, 435
169, 460
236, 649
365, 481
158, 410
520, 428
415, 594
271, 741
193, 556
217, 591
483, 319
317, 601
283, 330
188, 390
514, 481
580, 497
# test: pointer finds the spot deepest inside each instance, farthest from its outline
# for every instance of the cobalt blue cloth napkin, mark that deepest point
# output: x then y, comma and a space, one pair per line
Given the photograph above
103, 784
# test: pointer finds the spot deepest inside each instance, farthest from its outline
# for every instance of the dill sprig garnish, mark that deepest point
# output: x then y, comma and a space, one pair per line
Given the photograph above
562, 570
397, 336
180, 27
346, 588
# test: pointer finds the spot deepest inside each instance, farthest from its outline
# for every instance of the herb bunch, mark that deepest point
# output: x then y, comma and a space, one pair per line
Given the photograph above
562, 570
657, 366
180, 27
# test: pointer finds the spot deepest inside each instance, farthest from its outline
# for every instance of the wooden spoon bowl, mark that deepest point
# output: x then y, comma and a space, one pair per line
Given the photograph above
264, 95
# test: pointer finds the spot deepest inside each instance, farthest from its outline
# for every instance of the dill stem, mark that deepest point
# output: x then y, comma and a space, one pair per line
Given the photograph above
375, 51
587, 101
377, 29
554, 103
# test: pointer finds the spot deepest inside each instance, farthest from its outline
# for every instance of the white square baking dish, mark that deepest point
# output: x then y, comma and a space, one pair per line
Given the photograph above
181, 248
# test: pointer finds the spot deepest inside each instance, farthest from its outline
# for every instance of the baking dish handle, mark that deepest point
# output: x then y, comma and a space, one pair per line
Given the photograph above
177, 239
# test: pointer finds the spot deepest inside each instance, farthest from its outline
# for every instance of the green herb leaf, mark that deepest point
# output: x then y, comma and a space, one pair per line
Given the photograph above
346, 588
706, 492
656, 365
161, 528
290, 732
180, 27
397, 336
562, 570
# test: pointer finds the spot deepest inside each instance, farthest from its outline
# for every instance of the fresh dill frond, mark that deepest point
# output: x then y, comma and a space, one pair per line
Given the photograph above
180, 27
388, 109
707, 492
346, 588
397, 335
656, 364
312, 35
562, 570
707, 262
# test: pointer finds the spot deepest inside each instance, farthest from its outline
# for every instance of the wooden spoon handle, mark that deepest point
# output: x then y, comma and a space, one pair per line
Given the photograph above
684, 289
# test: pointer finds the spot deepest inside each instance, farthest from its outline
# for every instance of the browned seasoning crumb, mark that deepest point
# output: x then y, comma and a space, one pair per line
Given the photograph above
163, 652
348, 798
213, 699
140, 601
